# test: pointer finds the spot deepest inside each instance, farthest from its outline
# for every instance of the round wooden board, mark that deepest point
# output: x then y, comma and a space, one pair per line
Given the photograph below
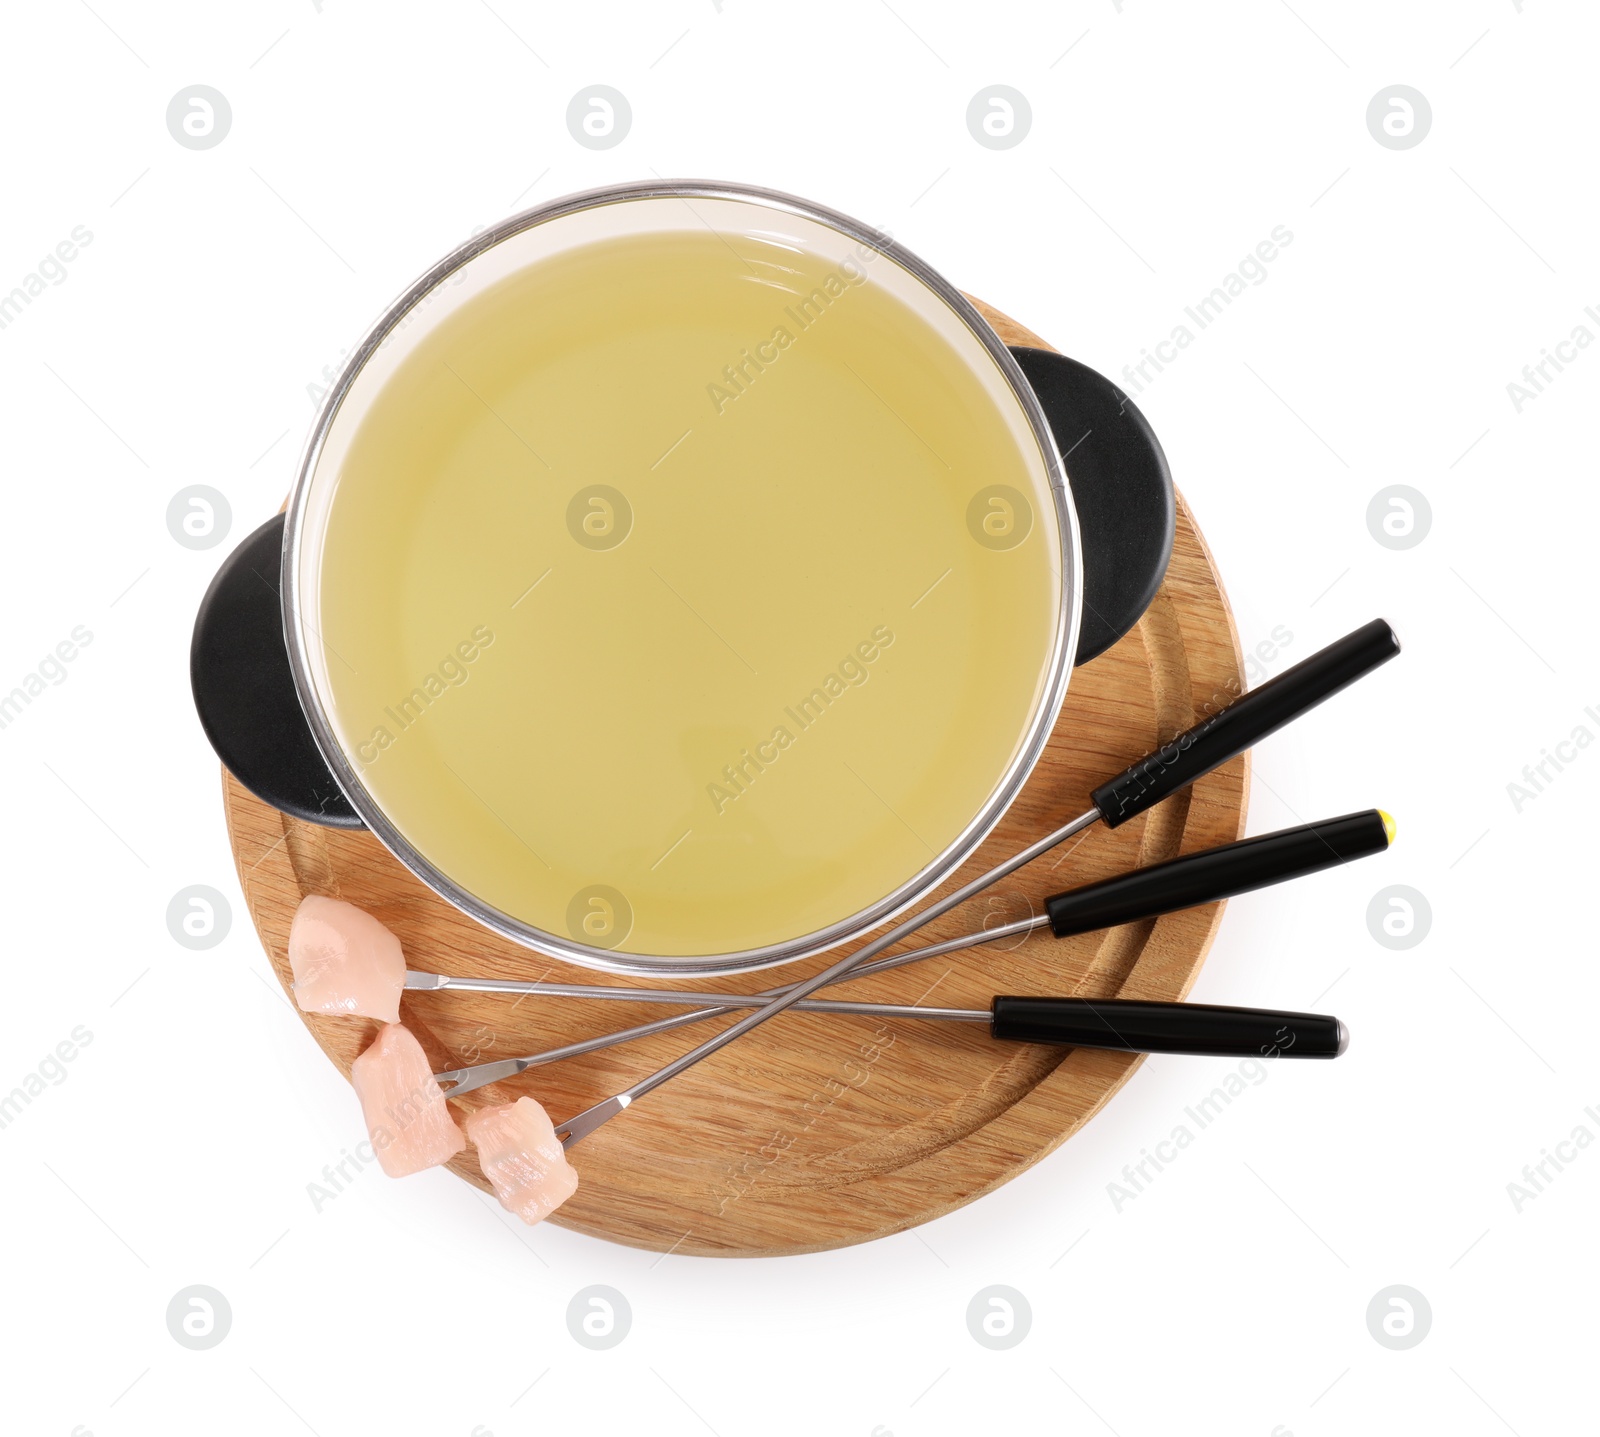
816, 1132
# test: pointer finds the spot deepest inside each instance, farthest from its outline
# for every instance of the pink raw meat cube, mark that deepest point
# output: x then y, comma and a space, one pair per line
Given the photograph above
345, 961
407, 1116
521, 1156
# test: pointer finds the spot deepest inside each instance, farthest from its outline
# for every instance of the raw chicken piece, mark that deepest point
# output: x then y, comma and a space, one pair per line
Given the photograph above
407, 1116
345, 961
520, 1154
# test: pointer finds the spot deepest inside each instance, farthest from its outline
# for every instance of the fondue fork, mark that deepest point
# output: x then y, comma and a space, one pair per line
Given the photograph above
1182, 882
1214, 740
1127, 1025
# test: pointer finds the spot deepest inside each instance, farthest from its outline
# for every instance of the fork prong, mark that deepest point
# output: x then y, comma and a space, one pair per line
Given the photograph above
464, 1080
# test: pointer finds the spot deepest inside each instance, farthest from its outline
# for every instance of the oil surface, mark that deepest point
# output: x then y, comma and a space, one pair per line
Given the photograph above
685, 593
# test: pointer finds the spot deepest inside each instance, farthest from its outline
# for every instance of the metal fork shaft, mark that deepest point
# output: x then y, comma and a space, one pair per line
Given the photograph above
584, 1123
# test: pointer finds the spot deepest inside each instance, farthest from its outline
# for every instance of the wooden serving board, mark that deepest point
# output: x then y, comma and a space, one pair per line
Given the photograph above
819, 1131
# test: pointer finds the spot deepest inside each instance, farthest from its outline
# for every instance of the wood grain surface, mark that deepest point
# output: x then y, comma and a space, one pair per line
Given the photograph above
819, 1131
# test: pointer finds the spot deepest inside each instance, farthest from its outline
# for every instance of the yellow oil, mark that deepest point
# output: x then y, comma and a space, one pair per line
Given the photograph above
666, 603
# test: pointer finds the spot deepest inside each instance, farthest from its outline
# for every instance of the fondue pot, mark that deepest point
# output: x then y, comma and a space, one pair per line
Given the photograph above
694, 702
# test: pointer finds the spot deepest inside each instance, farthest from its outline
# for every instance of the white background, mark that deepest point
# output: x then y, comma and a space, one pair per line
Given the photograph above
1167, 140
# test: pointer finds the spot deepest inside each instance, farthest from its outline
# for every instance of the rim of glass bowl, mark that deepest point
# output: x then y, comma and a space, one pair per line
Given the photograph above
300, 641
